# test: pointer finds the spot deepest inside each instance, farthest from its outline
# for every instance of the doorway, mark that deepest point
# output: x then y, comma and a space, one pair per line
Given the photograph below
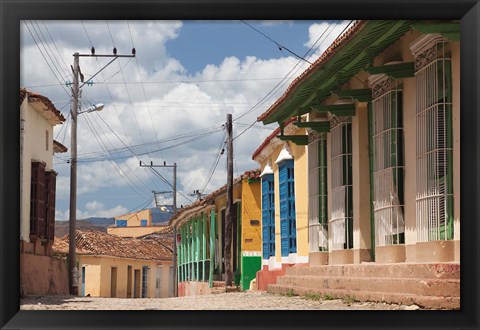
129, 281
136, 284
113, 282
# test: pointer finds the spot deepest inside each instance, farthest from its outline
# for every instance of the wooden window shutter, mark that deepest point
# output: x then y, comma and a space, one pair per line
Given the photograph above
37, 200
50, 184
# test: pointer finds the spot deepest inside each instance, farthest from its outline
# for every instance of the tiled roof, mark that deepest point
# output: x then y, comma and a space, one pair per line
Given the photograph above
270, 137
327, 54
207, 199
58, 147
100, 243
32, 97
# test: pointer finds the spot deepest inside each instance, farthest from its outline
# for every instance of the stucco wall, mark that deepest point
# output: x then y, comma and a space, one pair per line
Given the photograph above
34, 148
251, 210
42, 275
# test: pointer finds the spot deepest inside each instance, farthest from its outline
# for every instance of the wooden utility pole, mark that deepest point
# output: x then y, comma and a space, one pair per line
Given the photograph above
229, 211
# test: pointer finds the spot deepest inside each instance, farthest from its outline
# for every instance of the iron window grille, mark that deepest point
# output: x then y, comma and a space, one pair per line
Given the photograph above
434, 150
317, 192
341, 221
388, 165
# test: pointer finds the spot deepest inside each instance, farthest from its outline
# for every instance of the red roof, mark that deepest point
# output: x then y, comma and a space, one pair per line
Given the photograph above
327, 54
100, 243
32, 96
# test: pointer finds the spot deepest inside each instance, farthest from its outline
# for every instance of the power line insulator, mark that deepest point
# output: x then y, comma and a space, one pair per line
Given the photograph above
114, 50
133, 51
93, 50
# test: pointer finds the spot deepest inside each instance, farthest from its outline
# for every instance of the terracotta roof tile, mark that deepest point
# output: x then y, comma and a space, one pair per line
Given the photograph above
327, 54
100, 243
32, 96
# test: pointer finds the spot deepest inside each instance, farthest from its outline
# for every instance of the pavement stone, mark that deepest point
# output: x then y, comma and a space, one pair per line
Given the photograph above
250, 300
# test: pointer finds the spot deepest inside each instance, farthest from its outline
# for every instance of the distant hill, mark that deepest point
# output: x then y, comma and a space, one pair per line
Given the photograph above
97, 224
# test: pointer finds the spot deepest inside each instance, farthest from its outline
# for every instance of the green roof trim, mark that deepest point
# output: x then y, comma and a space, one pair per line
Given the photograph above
347, 61
297, 139
450, 30
318, 126
396, 71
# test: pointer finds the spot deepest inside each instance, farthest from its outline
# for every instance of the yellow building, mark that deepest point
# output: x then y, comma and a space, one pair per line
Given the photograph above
139, 223
381, 114
284, 206
201, 242
113, 266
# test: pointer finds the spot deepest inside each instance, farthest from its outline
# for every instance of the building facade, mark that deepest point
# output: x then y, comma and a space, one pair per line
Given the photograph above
284, 206
139, 223
201, 238
113, 266
381, 109
38, 116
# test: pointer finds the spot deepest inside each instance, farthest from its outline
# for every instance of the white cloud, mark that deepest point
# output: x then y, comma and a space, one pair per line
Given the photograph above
321, 36
146, 109
93, 209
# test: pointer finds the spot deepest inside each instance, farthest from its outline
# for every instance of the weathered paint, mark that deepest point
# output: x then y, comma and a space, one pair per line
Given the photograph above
250, 266
43, 275
36, 147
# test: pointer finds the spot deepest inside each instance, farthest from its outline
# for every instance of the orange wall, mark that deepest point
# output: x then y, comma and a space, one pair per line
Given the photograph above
251, 210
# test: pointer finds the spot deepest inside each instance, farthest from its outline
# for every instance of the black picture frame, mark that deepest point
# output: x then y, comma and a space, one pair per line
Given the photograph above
13, 11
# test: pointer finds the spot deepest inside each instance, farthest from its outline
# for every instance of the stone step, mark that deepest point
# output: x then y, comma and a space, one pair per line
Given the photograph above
418, 286
220, 289
427, 302
403, 270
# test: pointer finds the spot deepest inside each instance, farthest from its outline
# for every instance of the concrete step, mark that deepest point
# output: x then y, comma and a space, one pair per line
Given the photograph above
418, 286
403, 270
427, 302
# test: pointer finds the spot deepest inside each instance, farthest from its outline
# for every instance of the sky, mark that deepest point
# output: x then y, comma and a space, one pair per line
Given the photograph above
167, 104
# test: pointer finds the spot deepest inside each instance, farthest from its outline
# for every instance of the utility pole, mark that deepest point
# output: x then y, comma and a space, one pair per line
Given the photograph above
72, 256
174, 186
229, 210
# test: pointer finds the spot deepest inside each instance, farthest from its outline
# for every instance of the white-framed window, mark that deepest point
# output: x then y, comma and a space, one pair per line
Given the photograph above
388, 163
317, 192
341, 221
434, 151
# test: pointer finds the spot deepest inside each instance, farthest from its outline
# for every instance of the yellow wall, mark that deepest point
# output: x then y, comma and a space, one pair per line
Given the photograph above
34, 148
133, 219
251, 210
301, 197
132, 231
98, 275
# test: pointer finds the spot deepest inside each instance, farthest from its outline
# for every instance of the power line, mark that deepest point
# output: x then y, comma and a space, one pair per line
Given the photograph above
280, 47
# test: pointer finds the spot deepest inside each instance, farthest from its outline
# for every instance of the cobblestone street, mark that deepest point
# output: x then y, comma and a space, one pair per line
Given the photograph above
224, 301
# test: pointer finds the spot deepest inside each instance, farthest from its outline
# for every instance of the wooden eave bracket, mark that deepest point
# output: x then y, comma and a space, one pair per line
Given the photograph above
297, 139
396, 71
318, 126
341, 110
